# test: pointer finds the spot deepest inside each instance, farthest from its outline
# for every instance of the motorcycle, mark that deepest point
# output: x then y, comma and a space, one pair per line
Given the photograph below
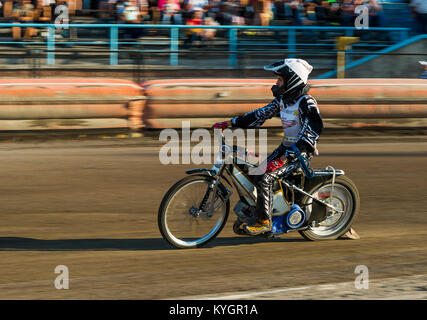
321, 204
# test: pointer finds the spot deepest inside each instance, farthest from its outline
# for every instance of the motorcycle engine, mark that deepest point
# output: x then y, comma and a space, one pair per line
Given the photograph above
296, 217
292, 220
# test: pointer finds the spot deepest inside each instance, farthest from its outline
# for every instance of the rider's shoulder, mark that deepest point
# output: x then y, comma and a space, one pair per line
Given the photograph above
307, 100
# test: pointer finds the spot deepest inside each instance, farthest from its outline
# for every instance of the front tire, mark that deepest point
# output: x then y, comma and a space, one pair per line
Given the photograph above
178, 220
345, 197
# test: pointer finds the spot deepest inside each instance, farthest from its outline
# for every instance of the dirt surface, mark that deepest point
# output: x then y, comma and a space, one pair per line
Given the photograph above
92, 207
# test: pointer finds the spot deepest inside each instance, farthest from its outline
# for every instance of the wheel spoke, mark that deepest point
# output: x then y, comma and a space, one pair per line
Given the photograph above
187, 228
341, 200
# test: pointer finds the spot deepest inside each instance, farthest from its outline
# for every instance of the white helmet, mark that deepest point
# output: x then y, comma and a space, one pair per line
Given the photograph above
294, 72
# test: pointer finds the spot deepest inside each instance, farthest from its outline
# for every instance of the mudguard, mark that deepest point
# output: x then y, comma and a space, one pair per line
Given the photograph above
201, 170
320, 176
319, 211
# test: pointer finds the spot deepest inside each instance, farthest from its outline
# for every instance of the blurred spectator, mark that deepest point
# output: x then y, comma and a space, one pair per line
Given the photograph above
153, 11
24, 12
208, 34
119, 8
199, 5
202, 35
106, 9
143, 6
7, 7
376, 15
186, 11
323, 13
50, 3
283, 12
334, 18
248, 11
170, 10
267, 13
419, 11
280, 14
240, 10
310, 19
128, 13
213, 8
347, 13
236, 17
194, 34
224, 16
298, 12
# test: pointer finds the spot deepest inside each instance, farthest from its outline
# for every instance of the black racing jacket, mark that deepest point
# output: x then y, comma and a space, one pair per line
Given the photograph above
311, 121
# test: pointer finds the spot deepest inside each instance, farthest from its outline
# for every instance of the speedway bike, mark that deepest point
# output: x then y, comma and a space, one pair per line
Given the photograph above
320, 204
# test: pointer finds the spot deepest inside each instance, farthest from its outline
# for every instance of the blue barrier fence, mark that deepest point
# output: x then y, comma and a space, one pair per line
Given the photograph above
174, 31
387, 50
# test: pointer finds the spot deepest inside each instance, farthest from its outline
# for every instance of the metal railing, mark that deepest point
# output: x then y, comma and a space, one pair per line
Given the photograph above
113, 42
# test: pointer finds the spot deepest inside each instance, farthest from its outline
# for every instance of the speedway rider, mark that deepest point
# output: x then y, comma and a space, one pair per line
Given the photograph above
302, 125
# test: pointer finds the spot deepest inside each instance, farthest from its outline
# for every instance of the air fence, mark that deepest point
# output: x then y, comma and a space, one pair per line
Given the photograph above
94, 103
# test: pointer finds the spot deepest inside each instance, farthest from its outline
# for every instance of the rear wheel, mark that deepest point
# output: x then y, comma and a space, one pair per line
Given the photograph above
345, 197
180, 220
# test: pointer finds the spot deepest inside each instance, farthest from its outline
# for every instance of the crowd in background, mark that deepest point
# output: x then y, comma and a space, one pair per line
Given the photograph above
215, 12
254, 12
224, 12
243, 12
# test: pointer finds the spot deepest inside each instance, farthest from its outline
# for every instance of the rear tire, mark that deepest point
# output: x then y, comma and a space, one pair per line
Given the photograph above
186, 235
345, 197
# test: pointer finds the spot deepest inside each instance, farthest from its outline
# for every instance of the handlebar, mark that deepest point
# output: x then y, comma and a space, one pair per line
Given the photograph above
293, 153
234, 148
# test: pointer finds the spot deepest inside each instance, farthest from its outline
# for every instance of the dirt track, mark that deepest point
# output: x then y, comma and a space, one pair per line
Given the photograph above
92, 206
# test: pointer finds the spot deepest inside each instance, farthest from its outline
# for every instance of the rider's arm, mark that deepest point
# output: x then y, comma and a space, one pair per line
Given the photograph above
310, 112
257, 117
312, 124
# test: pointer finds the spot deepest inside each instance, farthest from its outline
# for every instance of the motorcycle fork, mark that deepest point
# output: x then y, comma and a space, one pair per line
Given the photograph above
213, 188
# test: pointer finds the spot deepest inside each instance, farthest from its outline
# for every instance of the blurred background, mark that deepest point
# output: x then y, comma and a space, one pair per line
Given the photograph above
236, 37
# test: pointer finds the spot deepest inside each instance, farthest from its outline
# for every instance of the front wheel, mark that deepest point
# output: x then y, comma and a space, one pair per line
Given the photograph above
345, 197
191, 213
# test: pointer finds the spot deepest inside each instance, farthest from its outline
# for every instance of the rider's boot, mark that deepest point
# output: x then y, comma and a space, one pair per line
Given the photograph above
259, 227
264, 207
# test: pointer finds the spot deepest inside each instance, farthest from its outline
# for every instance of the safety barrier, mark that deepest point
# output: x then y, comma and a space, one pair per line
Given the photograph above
74, 103
204, 101
86, 103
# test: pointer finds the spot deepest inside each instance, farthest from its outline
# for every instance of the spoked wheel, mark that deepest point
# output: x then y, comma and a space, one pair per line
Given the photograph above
190, 214
344, 197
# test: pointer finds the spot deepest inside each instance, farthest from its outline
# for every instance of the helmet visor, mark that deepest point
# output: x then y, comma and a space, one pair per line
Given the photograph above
276, 66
